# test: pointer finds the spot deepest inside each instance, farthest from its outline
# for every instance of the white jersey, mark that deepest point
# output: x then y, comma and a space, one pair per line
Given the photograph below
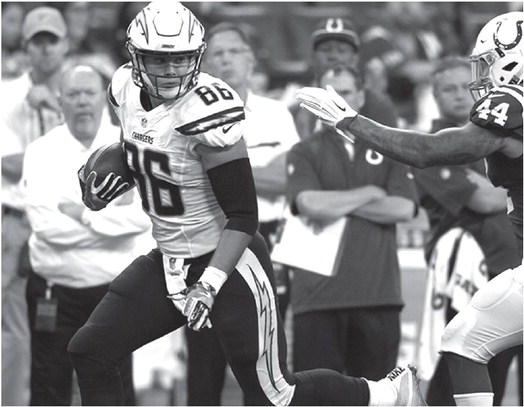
160, 145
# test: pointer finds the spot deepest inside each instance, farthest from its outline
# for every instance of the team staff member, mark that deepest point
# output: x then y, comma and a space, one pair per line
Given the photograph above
230, 57
75, 253
349, 322
182, 132
28, 109
460, 196
494, 132
335, 41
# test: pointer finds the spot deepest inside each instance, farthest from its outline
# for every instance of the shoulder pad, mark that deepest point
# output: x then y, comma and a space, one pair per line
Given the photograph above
116, 88
209, 105
500, 110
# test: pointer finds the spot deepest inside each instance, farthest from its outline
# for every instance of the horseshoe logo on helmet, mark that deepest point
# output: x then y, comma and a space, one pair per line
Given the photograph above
511, 45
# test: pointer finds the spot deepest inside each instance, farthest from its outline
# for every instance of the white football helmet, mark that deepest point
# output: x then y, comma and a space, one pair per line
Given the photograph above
165, 29
498, 56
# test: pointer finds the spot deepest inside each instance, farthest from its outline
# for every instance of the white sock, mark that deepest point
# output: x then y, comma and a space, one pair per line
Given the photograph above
381, 393
474, 399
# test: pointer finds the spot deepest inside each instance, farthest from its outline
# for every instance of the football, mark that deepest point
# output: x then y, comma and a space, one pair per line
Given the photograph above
109, 159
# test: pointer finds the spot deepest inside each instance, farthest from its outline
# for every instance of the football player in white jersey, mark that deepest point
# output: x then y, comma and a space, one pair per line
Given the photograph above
182, 133
493, 320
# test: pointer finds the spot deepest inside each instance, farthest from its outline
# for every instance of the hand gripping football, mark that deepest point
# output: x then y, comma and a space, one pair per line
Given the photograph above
105, 176
106, 160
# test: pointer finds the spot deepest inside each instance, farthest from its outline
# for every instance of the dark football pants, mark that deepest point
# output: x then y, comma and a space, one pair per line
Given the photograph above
51, 368
206, 363
136, 311
361, 342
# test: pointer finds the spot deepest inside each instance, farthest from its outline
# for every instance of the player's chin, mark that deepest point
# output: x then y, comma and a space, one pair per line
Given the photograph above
169, 92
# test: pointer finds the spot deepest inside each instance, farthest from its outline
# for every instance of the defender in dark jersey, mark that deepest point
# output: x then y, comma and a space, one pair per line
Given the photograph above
493, 320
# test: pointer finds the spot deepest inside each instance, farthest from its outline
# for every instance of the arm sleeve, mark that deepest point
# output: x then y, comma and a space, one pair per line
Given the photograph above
234, 189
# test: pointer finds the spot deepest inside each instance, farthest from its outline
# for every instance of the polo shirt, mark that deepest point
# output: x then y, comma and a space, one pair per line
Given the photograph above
369, 273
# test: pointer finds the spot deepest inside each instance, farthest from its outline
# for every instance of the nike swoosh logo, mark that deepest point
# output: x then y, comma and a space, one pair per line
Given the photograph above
341, 108
226, 129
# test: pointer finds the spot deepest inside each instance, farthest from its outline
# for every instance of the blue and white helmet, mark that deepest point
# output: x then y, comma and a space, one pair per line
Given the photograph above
498, 56
165, 28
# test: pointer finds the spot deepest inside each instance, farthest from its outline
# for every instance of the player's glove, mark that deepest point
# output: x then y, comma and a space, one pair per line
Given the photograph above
199, 298
327, 105
96, 197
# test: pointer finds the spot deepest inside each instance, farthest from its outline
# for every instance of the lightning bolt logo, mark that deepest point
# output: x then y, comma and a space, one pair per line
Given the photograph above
266, 314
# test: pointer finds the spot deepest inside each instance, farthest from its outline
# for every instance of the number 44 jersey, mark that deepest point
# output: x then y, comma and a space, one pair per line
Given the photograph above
500, 111
160, 146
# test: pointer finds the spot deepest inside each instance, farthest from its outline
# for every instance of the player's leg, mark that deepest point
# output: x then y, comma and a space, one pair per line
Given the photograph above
206, 368
135, 311
490, 323
250, 329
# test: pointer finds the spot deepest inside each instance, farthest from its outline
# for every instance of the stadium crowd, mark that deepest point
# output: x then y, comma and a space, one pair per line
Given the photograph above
393, 53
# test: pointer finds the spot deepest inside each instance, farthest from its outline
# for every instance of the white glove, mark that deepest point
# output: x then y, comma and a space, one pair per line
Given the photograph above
327, 105
196, 301
96, 197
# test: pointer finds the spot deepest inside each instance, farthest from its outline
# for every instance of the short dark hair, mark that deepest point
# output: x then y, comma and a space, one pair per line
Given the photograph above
450, 62
244, 31
340, 68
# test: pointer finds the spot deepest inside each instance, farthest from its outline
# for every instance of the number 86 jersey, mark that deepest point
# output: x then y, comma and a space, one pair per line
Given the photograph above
160, 146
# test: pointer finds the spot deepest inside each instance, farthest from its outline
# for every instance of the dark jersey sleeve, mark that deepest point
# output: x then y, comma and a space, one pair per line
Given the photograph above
500, 111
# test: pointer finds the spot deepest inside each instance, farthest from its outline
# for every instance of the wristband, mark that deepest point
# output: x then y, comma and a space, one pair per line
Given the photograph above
214, 277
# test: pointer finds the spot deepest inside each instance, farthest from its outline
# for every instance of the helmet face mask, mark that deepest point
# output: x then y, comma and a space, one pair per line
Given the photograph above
166, 44
498, 56
165, 75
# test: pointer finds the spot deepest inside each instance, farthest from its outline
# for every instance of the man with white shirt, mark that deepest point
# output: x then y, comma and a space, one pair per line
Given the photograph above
75, 253
269, 133
28, 109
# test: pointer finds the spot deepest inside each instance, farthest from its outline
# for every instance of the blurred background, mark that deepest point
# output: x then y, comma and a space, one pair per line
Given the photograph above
401, 37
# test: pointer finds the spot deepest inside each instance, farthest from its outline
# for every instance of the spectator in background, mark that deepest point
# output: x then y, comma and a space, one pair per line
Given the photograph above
461, 204
269, 132
14, 60
75, 253
349, 322
336, 41
403, 48
28, 109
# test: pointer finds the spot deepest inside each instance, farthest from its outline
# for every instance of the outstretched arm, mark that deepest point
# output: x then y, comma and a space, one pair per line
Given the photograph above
449, 146
457, 145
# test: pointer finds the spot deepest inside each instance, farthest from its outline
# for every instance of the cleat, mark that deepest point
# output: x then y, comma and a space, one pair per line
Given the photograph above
407, 383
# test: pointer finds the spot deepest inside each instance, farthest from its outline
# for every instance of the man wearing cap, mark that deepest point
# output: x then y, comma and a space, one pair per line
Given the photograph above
28, 109
336, 41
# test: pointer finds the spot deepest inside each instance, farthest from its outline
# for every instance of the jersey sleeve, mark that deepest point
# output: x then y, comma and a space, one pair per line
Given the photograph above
500, 111
213, 115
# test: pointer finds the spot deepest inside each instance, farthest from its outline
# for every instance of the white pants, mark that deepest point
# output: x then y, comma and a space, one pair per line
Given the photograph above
492, 321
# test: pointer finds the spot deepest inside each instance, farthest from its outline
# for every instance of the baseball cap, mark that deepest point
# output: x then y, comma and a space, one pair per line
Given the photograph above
43, 19
336, 28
